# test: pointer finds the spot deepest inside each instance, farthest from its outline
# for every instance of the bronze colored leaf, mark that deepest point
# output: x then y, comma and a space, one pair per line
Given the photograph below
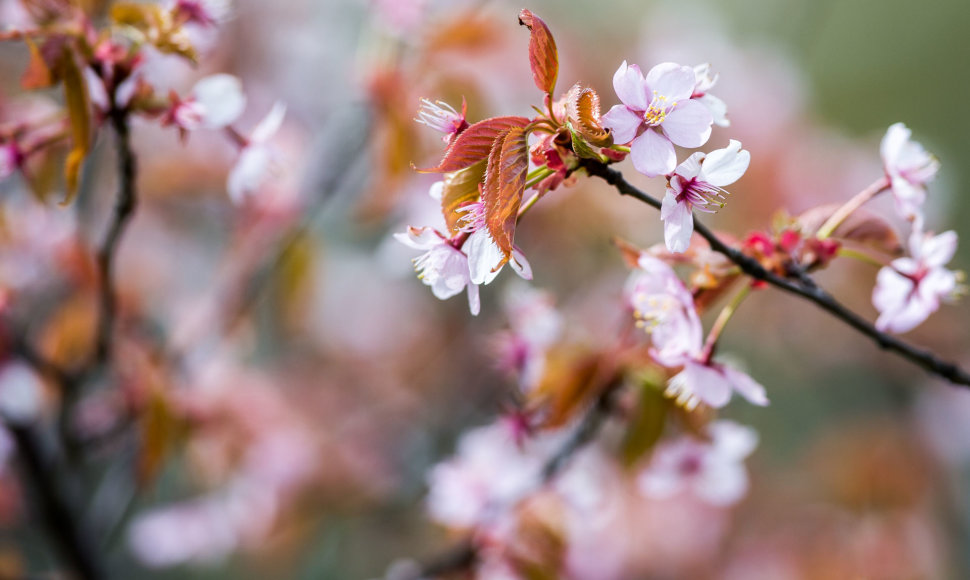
862, 227
78, 104
647, 424
543, 55
583, 111
460, 188
571, 378
508, 164
475, 143
580, 146
38, 74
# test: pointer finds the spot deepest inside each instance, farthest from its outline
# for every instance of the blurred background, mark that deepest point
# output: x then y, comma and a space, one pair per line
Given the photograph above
318, 381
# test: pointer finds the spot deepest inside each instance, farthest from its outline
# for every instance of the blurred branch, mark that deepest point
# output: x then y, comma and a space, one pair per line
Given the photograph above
804, 286
63, 520
124, 210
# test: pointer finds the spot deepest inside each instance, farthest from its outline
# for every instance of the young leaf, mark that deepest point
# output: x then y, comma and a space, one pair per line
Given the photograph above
505, 175
38, 74
581, 147
543, 55
79, 113
646, 426
459, 189
583, 111
474, 143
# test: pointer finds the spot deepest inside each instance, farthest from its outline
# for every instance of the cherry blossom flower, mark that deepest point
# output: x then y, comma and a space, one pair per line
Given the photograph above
706, 81
665, 308
908, 167
489, 474
21, 393
696, 184
710, 470
442, 266
443, 118
205, 13
9, 159
485, 258
909, 289
535, 326
256, 160
657, 113
215, 102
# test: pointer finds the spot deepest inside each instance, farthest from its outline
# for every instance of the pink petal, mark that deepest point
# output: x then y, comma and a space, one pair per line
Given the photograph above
725, 166
520, 264
678, 223
672, 80
748, 387
707, 384
689, 125
653, 154
630, 87
938, 250
623, 122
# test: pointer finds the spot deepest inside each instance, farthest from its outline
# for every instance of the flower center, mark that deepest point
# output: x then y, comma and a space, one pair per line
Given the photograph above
657, 110
702, 195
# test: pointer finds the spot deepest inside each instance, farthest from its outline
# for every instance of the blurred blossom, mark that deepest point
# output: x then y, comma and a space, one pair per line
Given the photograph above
535, 326
665, 308
216, 102
256, 162
943, 420
21, 393
442, 266
657, 113
492, 469
202, 12
713, 471
910, 289
9, 159
908, 167
399, 17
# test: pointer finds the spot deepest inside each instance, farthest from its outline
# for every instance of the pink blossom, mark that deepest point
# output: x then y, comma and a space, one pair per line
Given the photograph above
696, 184
215, 102
21, 393
657, 113
256, 160
712, 471
442, 266
665, 308
202, 12
489, 474
443, 118
9, 159
706, 81
909, 289
908, 167
535, 326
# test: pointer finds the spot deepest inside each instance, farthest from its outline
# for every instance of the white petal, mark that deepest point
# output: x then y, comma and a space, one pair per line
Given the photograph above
725, 166
623, 122
630, 87
691, 167
483, 256
222, 100
474, 302
520, 264
653, 154
249, 172
707, 383
689, 125
671, 80
718, 109
938, 250
748, 387
270, 124
678, 223
892, 144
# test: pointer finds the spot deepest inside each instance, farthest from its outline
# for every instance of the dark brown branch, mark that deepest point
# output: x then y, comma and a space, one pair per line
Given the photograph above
124, 210
62, 519
803, 286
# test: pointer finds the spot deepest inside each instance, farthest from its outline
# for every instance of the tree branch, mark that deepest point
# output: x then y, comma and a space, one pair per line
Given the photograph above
124, 210
804, 286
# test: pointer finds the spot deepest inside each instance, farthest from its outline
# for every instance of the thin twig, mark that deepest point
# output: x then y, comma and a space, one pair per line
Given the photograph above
803, 286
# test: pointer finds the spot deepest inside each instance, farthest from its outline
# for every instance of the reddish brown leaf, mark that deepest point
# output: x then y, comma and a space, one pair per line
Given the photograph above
460, 188
79, 113
543, 55
475, 143
38, 74
508, 164
583, 111
862, 227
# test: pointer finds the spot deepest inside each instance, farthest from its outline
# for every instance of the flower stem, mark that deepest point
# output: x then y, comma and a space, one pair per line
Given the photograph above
861, 256
841, 214
722, 319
